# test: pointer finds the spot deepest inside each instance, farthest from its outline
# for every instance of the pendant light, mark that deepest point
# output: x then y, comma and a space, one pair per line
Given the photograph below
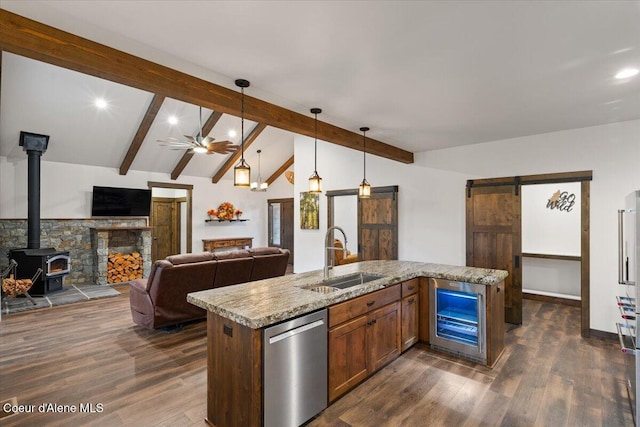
315, 182
364, 192
259, 185
242, 171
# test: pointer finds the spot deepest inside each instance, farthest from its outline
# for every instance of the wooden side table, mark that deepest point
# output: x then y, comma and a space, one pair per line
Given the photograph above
230, 242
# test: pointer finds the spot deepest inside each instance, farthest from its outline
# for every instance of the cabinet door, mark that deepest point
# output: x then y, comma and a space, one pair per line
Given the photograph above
347, 356
383, 335
409, 321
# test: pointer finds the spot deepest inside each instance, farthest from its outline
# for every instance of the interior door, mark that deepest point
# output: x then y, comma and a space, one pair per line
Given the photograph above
378, 225
164, 223
494, 238
281, 224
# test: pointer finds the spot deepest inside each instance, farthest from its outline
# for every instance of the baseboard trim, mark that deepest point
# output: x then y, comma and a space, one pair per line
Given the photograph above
555, 300
603, 335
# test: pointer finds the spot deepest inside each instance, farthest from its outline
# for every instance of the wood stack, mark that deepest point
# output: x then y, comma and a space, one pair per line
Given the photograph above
14, 287
124, 267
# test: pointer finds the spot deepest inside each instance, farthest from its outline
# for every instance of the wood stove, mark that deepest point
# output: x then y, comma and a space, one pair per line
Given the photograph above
54, 264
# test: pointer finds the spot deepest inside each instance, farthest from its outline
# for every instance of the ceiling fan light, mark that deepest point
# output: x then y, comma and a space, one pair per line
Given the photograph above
364, 191
315, 183
241, 174
200, 150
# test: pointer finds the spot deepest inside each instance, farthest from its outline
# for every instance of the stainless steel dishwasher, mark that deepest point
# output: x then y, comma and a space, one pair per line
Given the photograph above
295, 370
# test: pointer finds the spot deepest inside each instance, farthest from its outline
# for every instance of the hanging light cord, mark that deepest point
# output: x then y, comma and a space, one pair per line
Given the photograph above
242, 126
364, 153
315, 147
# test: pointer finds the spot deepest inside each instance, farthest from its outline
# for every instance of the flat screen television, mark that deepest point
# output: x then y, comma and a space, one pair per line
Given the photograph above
113, 201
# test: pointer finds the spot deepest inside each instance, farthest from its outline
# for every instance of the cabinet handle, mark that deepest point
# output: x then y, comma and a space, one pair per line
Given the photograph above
410, 287
412, 300
370, 303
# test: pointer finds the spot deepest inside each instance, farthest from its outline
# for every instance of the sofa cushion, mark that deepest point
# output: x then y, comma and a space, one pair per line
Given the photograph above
241, 253
270, 265
264, 251
189, 258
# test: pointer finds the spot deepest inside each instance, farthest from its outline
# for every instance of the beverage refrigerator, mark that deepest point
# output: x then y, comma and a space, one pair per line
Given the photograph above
628, 266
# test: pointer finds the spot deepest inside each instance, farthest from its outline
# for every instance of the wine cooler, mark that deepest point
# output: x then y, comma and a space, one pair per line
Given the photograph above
458, 318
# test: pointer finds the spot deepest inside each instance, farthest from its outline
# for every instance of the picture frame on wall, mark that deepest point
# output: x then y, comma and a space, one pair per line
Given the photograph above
309, 211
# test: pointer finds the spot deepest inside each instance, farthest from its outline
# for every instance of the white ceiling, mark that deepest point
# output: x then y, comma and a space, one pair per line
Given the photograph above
422, 75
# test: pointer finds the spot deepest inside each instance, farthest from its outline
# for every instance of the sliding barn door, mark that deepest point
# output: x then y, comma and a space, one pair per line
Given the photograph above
378, 225
493, 238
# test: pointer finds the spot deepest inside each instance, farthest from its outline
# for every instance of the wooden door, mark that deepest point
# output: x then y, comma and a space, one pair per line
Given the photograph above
383, 335
494, 238
280, 226
347, 356
165, 225
378, 225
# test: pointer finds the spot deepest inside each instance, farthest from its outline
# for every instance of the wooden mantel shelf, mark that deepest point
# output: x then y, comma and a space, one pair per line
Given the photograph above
121, 228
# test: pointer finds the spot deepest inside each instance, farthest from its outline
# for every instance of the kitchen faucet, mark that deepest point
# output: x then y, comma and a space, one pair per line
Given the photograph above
327, 248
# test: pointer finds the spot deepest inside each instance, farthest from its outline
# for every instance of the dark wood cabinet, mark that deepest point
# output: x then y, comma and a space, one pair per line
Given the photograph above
383, 335
364, 335
347, 356
410, 313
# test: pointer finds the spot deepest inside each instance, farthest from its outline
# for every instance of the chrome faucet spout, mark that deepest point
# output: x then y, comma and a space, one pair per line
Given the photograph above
327, 248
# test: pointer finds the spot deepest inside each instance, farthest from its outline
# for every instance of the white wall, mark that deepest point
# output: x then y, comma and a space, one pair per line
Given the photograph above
66, 193
431, 194
430, 203
346, 217
551, 232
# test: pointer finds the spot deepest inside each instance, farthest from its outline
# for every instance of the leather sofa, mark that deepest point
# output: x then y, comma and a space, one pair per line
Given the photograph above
161, 300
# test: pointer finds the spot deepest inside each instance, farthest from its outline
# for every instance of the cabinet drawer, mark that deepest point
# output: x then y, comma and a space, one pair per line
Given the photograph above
410, 287
360, 305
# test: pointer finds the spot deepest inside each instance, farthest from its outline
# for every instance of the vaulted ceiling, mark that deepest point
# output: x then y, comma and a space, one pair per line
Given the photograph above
422, 75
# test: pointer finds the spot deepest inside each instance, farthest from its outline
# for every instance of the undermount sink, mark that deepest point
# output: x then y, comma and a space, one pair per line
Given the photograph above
344, 282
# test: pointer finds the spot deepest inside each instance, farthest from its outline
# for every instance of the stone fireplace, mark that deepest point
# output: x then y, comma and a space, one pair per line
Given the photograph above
106, 241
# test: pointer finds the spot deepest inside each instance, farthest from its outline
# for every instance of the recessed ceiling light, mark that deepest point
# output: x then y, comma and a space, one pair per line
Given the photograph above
100, 103
232, 133
626, 73
173, 120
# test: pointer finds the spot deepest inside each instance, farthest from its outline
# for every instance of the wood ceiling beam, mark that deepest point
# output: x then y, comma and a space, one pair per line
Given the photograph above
186, 157
233, 158
143, 129
286, 165
35, 40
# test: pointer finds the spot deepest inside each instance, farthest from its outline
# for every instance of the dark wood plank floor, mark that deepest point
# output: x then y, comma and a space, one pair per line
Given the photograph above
91, 352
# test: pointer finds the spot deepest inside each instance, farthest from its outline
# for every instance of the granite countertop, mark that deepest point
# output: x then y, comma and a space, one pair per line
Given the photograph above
265, 302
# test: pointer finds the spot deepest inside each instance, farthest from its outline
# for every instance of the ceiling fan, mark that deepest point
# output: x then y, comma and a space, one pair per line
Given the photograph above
198, 144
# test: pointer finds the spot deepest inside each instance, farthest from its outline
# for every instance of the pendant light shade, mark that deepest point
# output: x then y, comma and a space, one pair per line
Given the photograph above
259, 185
242, 171
315, 182
364, 191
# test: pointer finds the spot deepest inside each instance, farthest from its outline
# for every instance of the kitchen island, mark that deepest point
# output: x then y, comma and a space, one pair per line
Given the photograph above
238, 314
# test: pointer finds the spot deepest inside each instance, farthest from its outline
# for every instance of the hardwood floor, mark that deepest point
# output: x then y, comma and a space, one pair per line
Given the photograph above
91, 352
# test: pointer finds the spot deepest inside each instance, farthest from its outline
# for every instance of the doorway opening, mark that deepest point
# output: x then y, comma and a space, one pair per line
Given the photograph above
494, 234
170, 219
375, 219
280, 224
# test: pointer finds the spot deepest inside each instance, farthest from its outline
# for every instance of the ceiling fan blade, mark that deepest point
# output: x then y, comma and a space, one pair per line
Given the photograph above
222, 147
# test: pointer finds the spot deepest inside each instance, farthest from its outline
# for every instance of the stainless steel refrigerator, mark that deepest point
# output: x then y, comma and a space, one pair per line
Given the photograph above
628, 273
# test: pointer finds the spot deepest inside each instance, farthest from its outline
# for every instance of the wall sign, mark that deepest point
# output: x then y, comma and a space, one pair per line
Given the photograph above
562, 201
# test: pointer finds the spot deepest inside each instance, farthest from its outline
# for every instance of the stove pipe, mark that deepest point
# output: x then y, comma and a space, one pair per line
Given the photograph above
34, 144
